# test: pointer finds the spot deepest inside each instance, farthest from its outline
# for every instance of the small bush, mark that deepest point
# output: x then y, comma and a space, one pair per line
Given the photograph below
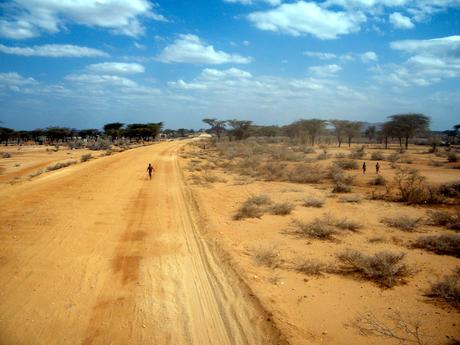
282, 208
272, 171
266, 255
450, 190
6, 155
340, 155
86, 157
357, 153
346, 164
447, 289
306, 173
347, 224
322, 156
377, 156
340, 187
313, 202
384, 268
318, 228
259, 200
355, 198
100, 145
251, 208
411, 185
60, 165
36, 173
452, 157
436, 163
394, 157
379, 180
447, 244
311, 267
442, 218
402, 222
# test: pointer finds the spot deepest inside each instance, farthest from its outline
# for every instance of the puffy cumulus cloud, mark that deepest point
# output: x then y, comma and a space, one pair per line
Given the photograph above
209, 76
301, 18
430, 62
105, 80
180, 84
29, 18
325, 70
13, 78
53, 50
251, 2
191, 49
320, 55
400, 22
116, 68
209, 73
369, 57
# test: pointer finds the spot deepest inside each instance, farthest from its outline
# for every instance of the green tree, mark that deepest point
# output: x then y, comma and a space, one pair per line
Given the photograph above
371, 132
6, 134
409, 125
339, 129
352, 130
239, 128
217, 126
113, 130
89, 133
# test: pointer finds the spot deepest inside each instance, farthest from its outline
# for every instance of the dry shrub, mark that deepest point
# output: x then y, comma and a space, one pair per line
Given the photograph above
404, 223
450, 190
340, 155
281, 208
211, 178
319, 228
379, 180
377, 239
346, 164
358, 153
266, 255
311, 267
405, 159
385, 268
338, 175
6, 155
306, 173
60, 165
452, 157
413, 189
437, 164
346, 224
86, 157
340, 187
251, 208
284, 154
313, 202
446, 244
447, 289
394, 157
36, 173
272, 171
354, 198
377, 156
442, 218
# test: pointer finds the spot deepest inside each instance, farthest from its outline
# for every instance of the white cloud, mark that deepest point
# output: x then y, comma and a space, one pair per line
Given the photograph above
400, 22
431, 61
108, 80
369, 57
13, 78
29, 18
116, 68
320, 55
191, 49
53, 50
307, 18
209, 73
325, 70
251, 2
180, 84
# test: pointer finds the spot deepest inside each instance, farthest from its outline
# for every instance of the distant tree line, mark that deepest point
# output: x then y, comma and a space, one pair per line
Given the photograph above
111, 131
402, 127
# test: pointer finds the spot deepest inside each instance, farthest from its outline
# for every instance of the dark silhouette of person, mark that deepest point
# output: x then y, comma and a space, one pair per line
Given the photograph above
149, 170
364, 167
377, 168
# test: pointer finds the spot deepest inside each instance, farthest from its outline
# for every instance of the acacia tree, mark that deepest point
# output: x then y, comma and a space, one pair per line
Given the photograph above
6, 134
239, 128
54, 134
339, 129
409, 125
113, 130
217, 126
311, 128
352, 129
371, 132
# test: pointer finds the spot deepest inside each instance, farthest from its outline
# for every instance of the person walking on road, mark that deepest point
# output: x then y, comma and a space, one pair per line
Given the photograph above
150, 170
364, 167
377, 168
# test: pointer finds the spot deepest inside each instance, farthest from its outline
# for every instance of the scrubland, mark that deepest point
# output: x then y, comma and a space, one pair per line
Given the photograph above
336, 255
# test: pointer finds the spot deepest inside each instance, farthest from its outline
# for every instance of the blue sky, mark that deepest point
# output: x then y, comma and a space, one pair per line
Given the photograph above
84, 63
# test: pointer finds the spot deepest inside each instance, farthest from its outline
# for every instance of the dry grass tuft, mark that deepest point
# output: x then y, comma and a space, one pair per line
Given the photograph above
378, 181
314, 202
306, 173
251, 208
404, 223
442, 218
282, 208
447, 289
346, 164
354, 198
311, 267
446, 244
318, 228
266, 255
384, 268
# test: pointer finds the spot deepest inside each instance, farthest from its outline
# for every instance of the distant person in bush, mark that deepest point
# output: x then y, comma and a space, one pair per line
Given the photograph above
364, 167
377, 168
150, 170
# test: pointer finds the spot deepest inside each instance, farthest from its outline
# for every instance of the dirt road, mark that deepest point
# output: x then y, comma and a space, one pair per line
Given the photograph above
98, 254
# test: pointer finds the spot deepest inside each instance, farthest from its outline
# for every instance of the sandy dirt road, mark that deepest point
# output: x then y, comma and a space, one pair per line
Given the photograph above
98, 254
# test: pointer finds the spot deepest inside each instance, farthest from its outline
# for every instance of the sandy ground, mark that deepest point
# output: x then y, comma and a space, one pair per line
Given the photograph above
98, 254
321, 310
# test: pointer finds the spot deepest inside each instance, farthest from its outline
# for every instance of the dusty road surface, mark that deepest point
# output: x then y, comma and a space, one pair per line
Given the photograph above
98, 254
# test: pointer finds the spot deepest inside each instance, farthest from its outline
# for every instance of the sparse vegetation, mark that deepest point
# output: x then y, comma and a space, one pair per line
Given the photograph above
346, 164
377, 156
313, 202
385, 268
266, 255
346, 224
378, 180
450, 190
306, 173
251, 208
353, 198
60, 165
319, 228
404, 223
442, 218
341, 187
311, 267
446, 244
452, 157
447, 289
281, 208
6, 155
86, 157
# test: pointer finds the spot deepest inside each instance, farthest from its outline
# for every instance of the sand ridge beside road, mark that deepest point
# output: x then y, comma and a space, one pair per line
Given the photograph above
98, 254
